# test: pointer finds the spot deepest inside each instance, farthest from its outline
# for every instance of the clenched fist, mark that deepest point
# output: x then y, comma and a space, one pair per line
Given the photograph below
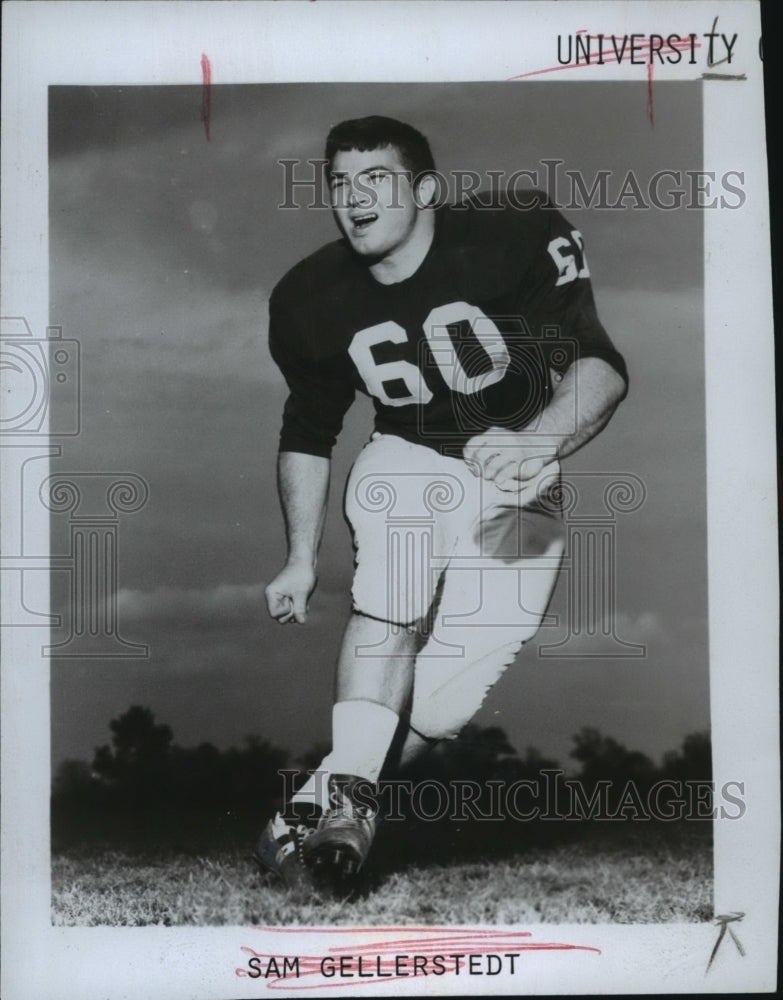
288, 593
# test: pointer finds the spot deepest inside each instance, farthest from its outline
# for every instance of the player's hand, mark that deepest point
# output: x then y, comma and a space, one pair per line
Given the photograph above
288, 593
506, 458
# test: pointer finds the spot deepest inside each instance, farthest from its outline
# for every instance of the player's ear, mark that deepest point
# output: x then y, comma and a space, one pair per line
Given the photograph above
426, 191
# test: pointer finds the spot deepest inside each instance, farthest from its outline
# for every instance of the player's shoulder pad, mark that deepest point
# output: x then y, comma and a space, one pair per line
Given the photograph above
321, 270
509, 200
518, 217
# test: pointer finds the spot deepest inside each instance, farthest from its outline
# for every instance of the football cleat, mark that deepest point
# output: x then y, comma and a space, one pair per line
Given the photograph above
279, 850
342, 841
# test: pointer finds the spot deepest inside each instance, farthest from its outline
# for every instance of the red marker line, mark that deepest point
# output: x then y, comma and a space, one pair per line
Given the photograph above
435, 947
206, 93
598, 58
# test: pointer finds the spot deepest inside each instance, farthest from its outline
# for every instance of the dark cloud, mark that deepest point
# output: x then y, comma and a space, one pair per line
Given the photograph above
112, 118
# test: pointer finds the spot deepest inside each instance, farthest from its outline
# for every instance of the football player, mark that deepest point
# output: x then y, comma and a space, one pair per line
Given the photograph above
473, 329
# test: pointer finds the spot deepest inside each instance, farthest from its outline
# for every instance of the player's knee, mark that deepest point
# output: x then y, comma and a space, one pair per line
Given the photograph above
446, 695
434, 721
412, 627
411, 624
389, 592
438, 718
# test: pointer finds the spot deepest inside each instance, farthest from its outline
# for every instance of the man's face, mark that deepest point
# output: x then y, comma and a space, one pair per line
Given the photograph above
373, 201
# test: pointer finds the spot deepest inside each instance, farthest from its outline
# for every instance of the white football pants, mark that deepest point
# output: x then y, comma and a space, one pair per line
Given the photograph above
440, 547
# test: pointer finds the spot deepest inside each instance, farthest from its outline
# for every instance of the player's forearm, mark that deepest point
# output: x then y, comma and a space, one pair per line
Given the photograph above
303, 484
581, 406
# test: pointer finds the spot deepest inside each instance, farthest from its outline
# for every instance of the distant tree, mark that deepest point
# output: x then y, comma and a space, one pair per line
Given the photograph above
73, 783
693, 761
136, 765
312, 757
198, 775
530, 765
603, 758
252, 771
478, 753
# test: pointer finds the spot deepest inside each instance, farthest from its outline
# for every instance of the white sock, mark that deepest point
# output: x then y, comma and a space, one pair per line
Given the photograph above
315, 791
362, 732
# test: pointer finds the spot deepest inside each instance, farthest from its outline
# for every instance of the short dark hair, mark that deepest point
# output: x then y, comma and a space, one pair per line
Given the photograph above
378, 132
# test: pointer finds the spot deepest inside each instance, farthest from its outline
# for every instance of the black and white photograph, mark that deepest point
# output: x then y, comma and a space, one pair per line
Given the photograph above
165, 250
388, 602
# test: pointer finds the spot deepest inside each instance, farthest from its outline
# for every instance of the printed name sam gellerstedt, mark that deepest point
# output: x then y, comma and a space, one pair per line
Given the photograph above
386, 966
639, 49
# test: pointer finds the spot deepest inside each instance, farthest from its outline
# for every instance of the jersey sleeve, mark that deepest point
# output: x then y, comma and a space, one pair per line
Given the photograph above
319, 394
566, 304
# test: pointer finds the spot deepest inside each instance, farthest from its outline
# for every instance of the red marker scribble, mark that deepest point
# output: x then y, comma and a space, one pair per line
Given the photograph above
409, 952
206, 93
605, 56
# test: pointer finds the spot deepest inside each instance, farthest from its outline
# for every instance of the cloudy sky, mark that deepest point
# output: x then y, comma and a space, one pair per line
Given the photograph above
164, 248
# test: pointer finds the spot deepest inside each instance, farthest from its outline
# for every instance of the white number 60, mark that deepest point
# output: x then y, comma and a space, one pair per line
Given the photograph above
377, 376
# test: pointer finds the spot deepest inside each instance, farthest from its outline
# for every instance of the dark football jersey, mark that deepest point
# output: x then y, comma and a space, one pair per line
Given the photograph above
501, 303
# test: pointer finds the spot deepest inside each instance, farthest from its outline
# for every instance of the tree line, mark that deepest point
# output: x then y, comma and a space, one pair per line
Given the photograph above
142, 784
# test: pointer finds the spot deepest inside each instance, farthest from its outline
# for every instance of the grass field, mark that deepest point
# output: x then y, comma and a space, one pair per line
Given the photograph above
622, 873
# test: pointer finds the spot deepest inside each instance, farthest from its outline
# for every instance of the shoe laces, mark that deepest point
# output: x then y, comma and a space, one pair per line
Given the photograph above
298, 831
342, 806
